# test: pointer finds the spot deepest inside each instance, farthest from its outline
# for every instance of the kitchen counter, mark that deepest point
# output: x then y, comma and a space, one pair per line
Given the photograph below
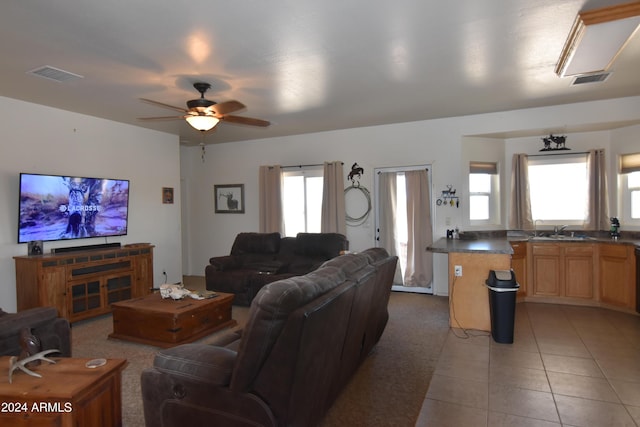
485, 246
469, 308
569, 239
477, 254
502, 245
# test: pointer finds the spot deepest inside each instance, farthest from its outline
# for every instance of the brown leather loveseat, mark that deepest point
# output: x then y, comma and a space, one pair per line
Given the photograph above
260, 258
304, 338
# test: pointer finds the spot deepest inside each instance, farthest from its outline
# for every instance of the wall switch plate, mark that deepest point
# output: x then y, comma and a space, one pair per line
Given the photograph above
457, 270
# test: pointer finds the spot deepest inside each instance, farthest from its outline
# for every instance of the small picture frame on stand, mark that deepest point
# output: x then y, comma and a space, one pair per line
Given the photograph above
35, 247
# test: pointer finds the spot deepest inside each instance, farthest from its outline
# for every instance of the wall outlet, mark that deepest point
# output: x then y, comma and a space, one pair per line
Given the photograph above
457, 270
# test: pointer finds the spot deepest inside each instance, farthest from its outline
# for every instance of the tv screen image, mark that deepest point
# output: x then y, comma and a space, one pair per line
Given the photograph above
54, 207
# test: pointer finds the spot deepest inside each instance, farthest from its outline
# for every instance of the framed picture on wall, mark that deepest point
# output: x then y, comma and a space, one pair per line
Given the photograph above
167, 195
229, 198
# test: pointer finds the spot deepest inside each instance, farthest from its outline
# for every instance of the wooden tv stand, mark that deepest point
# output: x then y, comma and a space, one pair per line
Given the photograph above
84, 284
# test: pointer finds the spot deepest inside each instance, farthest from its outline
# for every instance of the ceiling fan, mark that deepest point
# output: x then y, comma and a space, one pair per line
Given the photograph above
203, 114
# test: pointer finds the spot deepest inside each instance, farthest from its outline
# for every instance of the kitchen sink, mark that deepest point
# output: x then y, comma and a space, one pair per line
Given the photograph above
562, 238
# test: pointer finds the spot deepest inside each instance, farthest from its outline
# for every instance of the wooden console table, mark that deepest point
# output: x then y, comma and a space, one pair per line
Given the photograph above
84, 284
68, 395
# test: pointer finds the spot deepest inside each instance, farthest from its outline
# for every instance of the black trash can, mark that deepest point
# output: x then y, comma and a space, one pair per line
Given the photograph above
502, 304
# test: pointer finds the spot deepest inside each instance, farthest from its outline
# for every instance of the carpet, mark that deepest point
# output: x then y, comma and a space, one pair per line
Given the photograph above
387, 390
390, 386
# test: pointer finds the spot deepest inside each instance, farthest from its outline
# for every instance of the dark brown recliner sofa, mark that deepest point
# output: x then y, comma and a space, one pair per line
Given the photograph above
304, 338
260, 258
50, 331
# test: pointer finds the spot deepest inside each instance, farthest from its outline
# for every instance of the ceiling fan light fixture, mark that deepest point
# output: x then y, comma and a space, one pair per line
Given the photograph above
596, 39
202, 123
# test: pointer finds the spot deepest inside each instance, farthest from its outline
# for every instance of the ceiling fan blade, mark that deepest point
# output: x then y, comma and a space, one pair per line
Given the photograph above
227, 107
151, 119
246, 121
160, 104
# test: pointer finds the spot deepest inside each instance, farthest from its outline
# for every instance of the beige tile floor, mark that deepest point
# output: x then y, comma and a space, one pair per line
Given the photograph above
567, 366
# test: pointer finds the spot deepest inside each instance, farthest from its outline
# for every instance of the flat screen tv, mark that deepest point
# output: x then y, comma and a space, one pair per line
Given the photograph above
54, 207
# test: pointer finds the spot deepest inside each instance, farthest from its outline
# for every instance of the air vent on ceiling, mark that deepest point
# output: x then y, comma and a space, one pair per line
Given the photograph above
590, 78
52, 73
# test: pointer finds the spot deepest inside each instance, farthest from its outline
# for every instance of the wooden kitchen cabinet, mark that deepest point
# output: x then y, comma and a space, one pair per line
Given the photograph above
578, 270
563, 270
84, 284
519, 265
546, 268
617, 275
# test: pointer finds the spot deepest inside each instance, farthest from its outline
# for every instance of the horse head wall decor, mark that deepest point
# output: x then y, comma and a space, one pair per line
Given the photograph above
355, 174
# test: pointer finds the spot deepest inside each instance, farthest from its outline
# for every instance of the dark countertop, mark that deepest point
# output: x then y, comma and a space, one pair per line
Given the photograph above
486, 246
567, 239
502, 245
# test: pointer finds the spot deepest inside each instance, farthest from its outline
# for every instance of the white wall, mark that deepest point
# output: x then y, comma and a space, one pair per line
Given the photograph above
70, 143
74, 144
436, 142
237, 163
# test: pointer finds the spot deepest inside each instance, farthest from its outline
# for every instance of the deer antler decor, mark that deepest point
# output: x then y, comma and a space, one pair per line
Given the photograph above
14, 363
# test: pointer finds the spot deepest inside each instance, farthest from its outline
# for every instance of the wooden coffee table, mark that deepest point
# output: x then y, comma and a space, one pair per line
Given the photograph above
68, 394
166, 323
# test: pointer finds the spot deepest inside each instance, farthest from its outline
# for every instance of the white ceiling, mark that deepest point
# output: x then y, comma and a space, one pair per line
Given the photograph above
305, 66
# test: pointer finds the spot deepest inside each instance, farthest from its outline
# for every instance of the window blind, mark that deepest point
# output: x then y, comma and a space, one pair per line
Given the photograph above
483, 167
630, 163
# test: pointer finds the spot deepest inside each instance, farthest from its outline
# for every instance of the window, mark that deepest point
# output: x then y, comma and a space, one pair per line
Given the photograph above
483, 193
558, 188
630, 174
633, 186
479, 196
302, 201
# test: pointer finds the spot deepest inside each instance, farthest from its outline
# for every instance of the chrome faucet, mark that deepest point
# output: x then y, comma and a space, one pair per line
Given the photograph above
535, 227
560, 229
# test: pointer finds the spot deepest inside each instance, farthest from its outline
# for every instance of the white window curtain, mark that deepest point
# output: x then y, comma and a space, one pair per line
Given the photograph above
333, 210
387, 184
598, 215
520, 217
270, 199
415, 268
419, 270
